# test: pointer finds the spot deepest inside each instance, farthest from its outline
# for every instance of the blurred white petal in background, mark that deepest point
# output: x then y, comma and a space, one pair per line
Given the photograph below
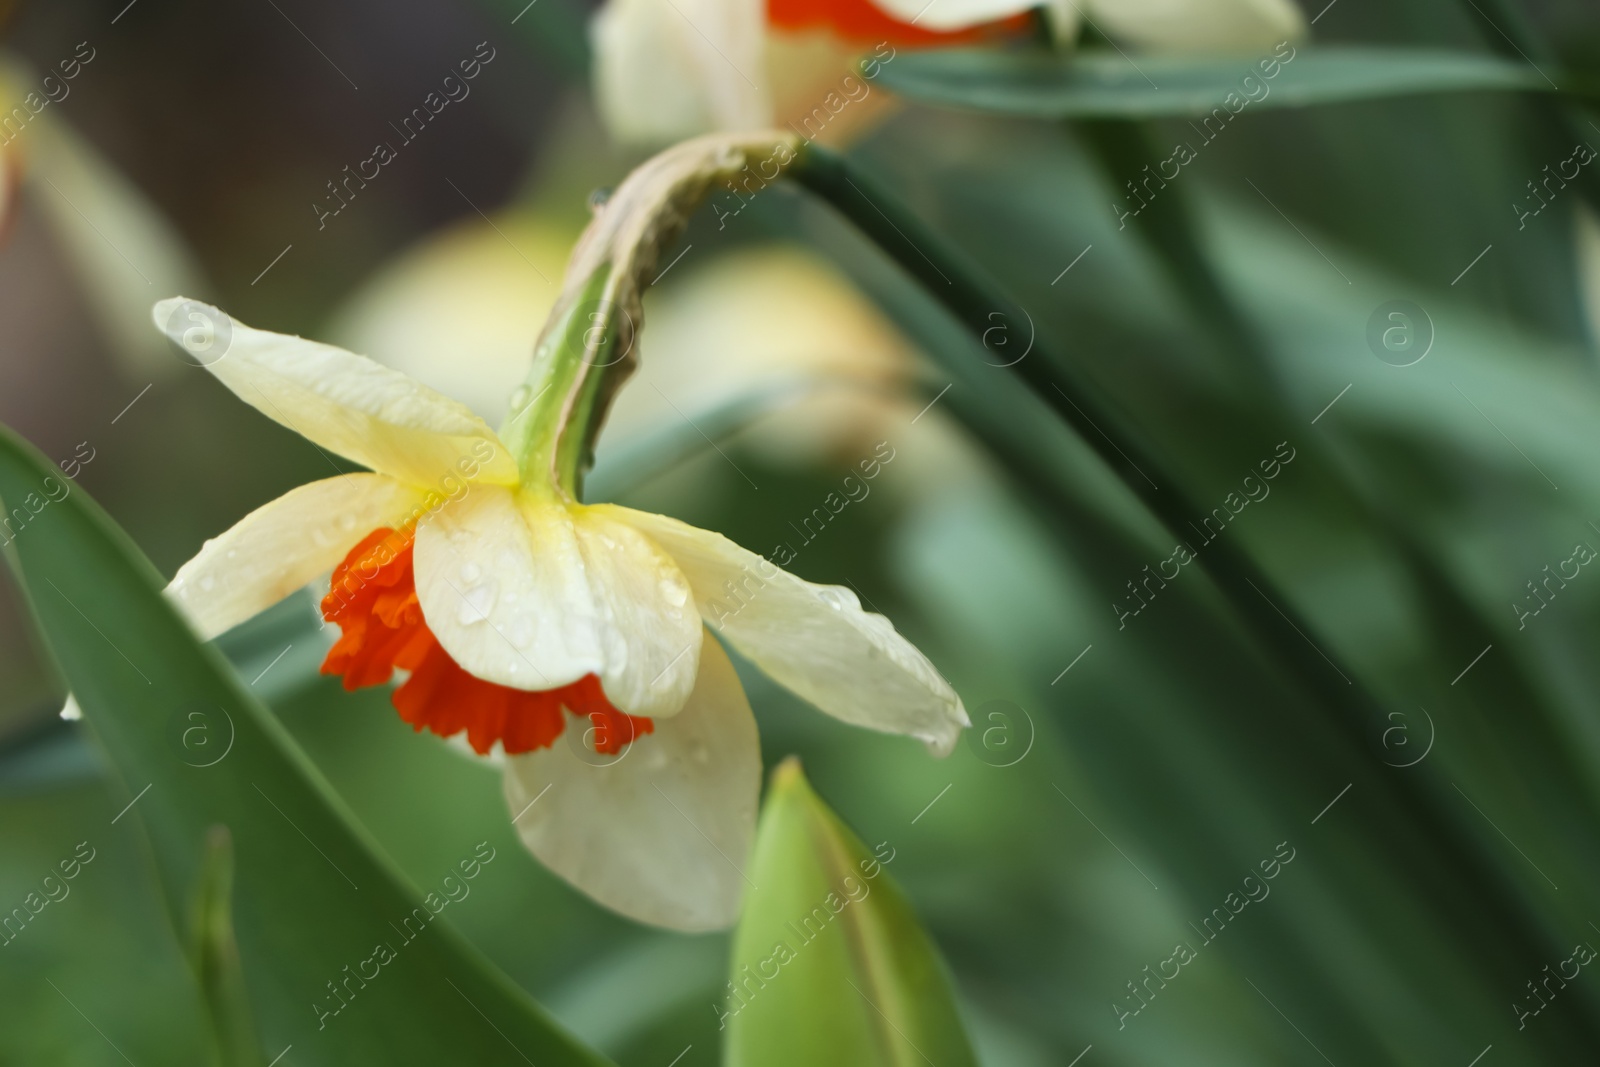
126, 254
459, 312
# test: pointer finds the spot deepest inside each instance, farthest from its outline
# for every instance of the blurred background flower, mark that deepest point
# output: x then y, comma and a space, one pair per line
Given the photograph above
1121, 782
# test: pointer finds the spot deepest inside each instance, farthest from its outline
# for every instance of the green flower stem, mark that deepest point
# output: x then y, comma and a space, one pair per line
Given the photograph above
984, 308
556, 413
1168, 227
1454, 620
1510, 32
1270, 617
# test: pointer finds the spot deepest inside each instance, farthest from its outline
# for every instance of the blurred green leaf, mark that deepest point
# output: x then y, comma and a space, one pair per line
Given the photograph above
316, 903
216, 957
830, 965
1090, 85
644, 457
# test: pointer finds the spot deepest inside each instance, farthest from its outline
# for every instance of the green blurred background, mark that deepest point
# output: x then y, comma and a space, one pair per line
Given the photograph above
1097, 814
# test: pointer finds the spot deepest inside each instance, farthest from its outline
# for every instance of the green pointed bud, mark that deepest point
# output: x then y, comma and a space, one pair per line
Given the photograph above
830, 965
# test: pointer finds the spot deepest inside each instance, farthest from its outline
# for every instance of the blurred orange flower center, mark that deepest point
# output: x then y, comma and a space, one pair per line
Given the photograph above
373, 599
863, 22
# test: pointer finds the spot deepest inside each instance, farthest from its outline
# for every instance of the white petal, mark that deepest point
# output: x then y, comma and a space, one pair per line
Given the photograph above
1198, 25
942, 15
503, 587
666, 70
344, 402
282, 545
813, 639
535, 594
661, 833
649, 631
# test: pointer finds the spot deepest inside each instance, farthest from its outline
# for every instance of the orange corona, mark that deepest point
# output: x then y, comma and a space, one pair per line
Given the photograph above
863, 22
373, 599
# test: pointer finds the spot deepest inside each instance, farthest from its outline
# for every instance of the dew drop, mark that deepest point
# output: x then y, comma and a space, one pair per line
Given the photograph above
207, 583
675, 592
520, 398
476, 604
471, 572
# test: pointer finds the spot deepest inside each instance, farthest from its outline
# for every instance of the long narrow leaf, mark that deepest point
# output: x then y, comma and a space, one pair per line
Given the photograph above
343, 961
1093, 85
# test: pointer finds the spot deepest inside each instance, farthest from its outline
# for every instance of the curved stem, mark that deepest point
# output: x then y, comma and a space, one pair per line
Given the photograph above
985, 309
1168, 226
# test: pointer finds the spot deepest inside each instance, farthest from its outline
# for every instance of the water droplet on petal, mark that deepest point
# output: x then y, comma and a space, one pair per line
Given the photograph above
520, 398
207, 583
476, 603
471, 572
675, 592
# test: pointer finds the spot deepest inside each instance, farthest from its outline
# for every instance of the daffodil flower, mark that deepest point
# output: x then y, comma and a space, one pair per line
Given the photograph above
507, 602
464, 558
667, 69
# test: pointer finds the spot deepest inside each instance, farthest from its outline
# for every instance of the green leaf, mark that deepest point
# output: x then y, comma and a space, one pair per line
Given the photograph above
1103, 85
314, 899
216, 958
629, 464
830, 965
